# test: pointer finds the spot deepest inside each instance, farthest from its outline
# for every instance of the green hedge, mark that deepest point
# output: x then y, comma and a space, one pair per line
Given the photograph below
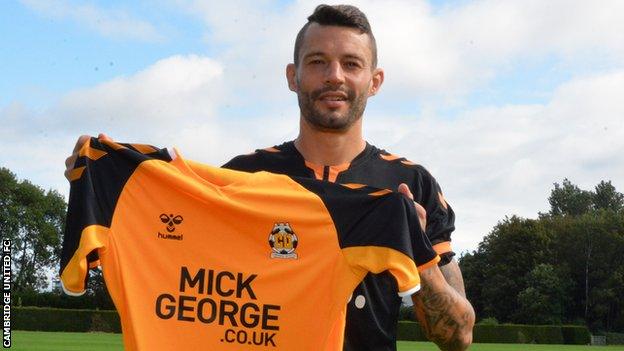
510, 333
60, 300
522, 334
575, 335
411, 331
615, 338
53, 319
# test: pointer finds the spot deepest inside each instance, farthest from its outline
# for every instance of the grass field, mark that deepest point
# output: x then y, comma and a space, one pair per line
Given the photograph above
43, 341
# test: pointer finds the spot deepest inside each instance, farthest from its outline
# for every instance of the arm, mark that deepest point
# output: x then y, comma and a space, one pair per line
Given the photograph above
453, 276
451, 272
446, 317
441, 308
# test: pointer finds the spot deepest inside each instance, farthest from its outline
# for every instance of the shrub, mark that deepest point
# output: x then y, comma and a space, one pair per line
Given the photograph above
53, 319
488, 321
407, 330
575, 335
406, 313
615, 338
509, 333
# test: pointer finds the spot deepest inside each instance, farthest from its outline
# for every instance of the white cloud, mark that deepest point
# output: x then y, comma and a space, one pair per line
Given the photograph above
172, 93
427, 53
107, 22
153, 106
462, 47
499, 161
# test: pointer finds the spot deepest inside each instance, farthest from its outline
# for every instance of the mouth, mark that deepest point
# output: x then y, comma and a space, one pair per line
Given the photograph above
333, 100
333, 96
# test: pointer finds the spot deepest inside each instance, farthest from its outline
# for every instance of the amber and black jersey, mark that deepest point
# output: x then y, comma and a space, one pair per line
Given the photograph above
372, 313
203, 258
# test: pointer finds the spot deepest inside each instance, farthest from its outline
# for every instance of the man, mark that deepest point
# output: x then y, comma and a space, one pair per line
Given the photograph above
334, 72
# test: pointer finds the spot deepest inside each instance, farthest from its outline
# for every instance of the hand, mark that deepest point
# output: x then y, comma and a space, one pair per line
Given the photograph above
71, 160
420, 211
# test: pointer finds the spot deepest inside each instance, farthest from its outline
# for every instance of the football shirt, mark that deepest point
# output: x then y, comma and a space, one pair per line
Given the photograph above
198, 257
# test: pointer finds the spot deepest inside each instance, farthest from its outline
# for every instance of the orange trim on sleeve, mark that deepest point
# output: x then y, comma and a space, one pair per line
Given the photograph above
353, 185
271, 149
389, 157
380, 192
429, 264
442, 247
73, 276
76, 173
144, 149
90, 152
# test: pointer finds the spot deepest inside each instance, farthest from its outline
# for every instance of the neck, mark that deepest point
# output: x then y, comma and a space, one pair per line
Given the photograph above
329, 148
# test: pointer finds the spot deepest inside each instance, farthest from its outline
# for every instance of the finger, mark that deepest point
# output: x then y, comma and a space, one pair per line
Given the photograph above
404, 189
103, 136
81, 141
67, 174
70, 161
422, 215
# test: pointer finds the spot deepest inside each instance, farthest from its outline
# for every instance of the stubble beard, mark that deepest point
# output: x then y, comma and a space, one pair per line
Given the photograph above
331, 121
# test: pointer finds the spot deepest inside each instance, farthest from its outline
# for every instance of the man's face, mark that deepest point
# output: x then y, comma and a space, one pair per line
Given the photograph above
334, 77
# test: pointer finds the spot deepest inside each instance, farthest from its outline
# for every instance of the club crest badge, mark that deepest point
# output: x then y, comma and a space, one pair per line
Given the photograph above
283, 241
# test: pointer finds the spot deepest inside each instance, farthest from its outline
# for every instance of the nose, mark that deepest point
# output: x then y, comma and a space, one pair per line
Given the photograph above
334, 76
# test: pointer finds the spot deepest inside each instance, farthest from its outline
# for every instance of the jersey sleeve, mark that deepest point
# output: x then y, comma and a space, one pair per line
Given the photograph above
96, 181
440, 216
378, 231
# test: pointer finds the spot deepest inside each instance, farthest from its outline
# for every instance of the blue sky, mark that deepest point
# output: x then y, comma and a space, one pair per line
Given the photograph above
498, 99
51, 55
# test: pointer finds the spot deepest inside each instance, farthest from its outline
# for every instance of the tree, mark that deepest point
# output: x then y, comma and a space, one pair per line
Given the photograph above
542, 302
97, 291
569, 199
566, 266
33, 220
606, 197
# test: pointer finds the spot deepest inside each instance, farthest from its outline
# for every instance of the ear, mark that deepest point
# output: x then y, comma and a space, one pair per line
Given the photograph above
376, 82
291, 76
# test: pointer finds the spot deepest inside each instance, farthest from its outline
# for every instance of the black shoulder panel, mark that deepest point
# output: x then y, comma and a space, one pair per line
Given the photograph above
100, 173
278, 159
362, 219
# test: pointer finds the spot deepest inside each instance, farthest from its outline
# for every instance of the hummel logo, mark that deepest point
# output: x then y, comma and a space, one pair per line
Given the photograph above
171, 221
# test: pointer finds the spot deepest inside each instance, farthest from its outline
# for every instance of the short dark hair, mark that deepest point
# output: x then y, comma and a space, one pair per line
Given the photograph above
338, 15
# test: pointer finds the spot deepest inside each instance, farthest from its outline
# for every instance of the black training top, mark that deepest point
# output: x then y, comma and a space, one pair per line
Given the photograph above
373, 310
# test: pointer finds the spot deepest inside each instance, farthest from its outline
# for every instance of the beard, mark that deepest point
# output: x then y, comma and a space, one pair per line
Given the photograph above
331, 121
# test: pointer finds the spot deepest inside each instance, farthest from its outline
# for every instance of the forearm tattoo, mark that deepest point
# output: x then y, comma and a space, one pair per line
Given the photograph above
441, 319
453, 276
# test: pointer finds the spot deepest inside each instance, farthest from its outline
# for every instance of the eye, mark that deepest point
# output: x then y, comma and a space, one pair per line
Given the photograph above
164, 218
177, 219
352, 64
